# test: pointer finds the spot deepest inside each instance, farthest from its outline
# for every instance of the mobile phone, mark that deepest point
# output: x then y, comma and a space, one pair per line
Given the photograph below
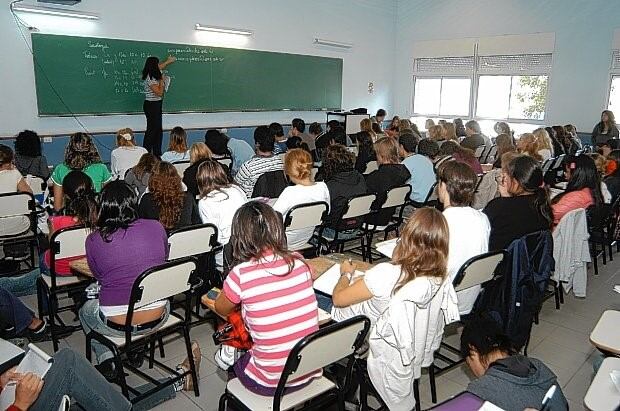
213, 293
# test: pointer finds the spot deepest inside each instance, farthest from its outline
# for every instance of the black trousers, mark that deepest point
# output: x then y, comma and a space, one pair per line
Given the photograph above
154, 130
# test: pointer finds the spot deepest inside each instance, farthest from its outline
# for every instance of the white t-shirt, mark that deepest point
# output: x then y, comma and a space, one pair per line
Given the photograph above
380, 281
124, 158
219, 208
9, 180
295, 195
469, 237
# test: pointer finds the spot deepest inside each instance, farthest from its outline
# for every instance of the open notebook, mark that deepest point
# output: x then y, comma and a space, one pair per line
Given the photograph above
35, 361
326, 282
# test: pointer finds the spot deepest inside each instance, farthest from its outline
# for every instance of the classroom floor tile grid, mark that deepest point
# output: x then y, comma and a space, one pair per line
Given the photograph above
561, 341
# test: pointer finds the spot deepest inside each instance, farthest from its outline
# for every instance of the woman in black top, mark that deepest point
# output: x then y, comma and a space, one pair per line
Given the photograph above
365, 151
166, 201
390, 174
198, 153
606, 129
28, 157
523, 207
558, 147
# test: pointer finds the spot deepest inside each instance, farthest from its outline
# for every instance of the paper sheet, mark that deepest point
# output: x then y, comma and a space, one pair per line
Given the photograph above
326, 282
387, 247
35, 361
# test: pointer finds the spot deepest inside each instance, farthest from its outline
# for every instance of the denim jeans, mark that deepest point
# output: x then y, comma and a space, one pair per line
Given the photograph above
21, 285
90, 319
72, 375
14, 311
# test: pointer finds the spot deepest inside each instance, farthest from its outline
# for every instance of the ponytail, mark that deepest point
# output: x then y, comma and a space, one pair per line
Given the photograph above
83, 206
542, 204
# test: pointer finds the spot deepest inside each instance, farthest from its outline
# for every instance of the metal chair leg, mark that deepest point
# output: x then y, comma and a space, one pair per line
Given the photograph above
416, 394
431, 377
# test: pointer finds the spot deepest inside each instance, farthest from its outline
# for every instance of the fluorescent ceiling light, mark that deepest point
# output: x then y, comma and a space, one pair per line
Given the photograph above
332, 43
226, 30
54, 11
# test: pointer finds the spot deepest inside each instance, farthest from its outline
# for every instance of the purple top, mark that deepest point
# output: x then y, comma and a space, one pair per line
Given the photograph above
117, 264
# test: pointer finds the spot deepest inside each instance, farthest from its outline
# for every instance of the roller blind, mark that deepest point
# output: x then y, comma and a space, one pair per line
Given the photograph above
444, 65
519, 64
615, 61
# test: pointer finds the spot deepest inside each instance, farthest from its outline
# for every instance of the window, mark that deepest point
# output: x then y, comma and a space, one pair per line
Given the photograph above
512, 97
444, 96
614, 94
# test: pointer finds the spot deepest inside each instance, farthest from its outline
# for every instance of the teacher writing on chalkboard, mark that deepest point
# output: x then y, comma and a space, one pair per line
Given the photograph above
154, 88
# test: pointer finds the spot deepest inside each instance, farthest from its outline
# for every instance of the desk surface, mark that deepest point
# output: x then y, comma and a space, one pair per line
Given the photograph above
603, 394
606, 333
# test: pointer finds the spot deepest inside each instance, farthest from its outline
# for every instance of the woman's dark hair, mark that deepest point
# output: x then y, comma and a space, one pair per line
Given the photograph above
460, 181
527, 173
118, 209
381, 113
28, 144
151, 69
263, 139
482, 334
331, 124
428, 148
338, 135
147, 164
337, 159
364, 143
166, 187
80, 197
376, 128
448, 148
258, 230
583, 174
6, 155
459, 127
293, 142
81, 152
217, 142
276, 130
315, 128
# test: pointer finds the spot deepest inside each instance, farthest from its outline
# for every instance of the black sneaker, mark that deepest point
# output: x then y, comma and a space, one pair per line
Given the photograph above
107, 369
40, 334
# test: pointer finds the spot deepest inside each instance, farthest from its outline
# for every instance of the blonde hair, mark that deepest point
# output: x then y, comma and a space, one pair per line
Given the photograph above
178, 140
544, 141
600, 162
366, 125
298, 164
423, 247
386, 149
435, 133
404, 124
199, 151
125, 138
528, 144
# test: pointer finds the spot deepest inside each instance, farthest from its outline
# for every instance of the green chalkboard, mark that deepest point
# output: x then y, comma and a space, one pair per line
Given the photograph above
85, 75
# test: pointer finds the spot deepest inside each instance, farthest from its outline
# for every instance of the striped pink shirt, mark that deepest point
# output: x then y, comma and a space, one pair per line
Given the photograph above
279, 308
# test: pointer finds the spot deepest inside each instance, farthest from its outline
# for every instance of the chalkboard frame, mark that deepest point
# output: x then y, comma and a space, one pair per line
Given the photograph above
43, 78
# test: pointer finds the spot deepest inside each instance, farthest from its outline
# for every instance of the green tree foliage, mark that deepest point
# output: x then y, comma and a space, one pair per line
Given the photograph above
534, 94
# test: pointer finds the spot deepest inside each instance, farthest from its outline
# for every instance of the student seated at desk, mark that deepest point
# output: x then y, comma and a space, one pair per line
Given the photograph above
274, 289
80, 154
28, 155
469, 228
80, 208
123, 247
177, 147
422, 252
365, 151
198, 153
138, 176
503, 376
126, 154
583, 188
298, 168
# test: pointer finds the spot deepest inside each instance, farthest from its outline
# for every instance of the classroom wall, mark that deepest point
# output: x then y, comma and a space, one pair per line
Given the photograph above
583, 37
278, 25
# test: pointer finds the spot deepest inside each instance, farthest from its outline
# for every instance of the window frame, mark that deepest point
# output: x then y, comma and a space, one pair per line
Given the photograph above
442, 77
511, 119
612, 75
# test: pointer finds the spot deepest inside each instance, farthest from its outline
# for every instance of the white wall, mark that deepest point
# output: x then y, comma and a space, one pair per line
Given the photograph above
583, 37
279, 25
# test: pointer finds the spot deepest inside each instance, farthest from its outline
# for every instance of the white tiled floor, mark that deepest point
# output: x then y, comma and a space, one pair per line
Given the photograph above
561, 340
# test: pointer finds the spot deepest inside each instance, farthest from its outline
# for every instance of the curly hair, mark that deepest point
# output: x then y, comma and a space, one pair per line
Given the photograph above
298, 164
337, 159
147, 164
167, 190
28, 144
81, 152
